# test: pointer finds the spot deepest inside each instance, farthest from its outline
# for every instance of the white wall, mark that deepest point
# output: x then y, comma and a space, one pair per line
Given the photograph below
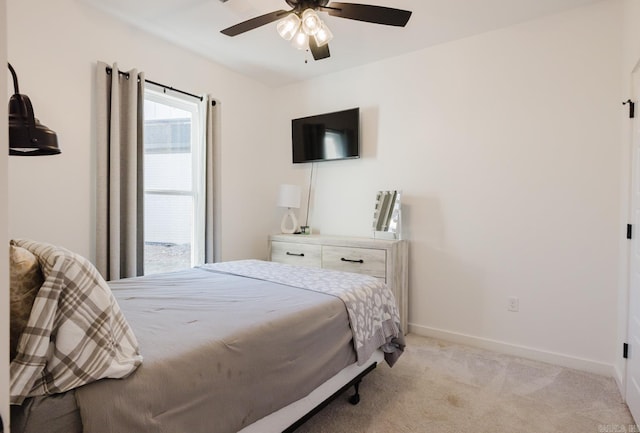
4, 252
52, 198
507, 148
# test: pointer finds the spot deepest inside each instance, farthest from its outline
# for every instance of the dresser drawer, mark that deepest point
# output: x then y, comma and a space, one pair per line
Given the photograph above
359, 260
296, 254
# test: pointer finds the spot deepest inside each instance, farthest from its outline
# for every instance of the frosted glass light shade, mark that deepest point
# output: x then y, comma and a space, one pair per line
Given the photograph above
300, 40
288, 26
289, 196
311, 22
323, 36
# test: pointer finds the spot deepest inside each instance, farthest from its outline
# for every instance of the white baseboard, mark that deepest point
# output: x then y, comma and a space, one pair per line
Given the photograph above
619, 376
516, 350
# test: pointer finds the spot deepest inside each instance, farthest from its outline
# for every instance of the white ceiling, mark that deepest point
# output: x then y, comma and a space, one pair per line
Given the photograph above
263, 55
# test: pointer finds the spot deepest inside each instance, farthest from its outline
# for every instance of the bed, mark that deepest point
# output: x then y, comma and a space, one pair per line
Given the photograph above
245, 346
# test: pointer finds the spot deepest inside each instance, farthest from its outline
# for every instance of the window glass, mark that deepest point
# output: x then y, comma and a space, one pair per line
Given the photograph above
173, 183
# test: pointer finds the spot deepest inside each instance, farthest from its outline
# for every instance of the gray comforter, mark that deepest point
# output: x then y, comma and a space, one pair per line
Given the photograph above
220, 352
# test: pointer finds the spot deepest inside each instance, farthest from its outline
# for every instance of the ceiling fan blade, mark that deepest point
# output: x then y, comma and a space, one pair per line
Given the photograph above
318, 53
369, 13
254, 23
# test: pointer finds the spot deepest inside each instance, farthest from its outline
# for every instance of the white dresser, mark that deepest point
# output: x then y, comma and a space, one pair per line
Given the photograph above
381, 258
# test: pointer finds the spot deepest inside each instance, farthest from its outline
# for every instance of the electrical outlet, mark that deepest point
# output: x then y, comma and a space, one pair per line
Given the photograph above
513, 304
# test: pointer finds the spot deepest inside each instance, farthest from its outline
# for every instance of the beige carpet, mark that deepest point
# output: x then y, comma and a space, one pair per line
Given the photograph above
444, 387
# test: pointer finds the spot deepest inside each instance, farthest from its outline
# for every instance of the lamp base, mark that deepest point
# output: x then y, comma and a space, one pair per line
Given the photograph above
294, 222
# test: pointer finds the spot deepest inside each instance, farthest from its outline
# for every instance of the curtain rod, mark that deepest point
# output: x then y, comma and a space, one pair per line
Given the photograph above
126, 74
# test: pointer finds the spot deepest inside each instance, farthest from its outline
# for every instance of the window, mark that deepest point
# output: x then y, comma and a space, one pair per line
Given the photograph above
174, 177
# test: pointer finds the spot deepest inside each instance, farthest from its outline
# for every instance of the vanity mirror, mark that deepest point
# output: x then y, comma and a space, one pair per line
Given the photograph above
387, 215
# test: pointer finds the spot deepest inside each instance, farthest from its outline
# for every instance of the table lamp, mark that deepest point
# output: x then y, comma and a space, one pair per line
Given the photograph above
289, 197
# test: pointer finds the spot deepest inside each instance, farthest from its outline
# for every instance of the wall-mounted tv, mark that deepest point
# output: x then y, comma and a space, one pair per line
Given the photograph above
326, 137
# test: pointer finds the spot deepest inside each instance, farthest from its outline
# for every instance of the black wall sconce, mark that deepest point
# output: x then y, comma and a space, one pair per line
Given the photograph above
27, 136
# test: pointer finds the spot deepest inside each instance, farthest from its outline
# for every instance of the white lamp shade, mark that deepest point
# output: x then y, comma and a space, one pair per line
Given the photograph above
289, 196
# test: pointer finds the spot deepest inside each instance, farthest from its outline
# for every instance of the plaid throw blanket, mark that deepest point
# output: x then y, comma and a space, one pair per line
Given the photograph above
373, 314
76, 333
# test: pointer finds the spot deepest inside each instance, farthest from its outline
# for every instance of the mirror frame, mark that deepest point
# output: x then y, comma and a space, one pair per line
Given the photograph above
387, 215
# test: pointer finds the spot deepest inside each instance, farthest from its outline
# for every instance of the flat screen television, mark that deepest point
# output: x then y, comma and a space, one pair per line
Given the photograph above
326, 137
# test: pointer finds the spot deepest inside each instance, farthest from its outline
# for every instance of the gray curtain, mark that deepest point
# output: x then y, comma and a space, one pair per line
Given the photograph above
120, 194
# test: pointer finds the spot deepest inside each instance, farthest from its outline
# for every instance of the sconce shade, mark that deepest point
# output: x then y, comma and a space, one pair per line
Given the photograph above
27, 136
289, 196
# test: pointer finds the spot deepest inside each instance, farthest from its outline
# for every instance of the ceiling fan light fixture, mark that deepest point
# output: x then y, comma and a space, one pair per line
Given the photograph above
302, 22
324, 35
301, 40
311, 22
288, 26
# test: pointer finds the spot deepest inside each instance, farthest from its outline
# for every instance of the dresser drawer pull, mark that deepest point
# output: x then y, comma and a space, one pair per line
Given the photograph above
295, 254
352, 261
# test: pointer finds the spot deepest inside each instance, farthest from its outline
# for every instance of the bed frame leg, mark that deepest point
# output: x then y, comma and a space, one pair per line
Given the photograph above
355, 398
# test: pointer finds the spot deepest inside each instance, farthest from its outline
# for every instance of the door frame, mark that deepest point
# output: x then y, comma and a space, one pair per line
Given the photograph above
633, 174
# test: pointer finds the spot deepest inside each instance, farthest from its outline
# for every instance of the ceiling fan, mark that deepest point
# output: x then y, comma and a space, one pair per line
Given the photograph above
305, 29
